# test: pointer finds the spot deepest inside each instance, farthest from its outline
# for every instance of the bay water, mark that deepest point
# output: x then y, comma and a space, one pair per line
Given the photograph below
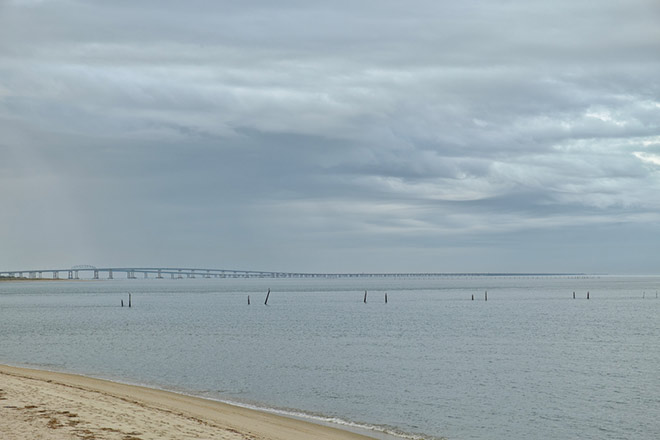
529, 363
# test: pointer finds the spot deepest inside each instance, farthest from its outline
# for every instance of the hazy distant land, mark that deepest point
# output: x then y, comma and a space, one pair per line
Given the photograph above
3, 278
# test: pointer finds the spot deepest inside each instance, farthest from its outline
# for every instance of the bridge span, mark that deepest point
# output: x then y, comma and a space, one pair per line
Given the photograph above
75, 273
96, 273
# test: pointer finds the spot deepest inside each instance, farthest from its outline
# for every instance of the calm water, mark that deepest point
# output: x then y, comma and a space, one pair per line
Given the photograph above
530, 363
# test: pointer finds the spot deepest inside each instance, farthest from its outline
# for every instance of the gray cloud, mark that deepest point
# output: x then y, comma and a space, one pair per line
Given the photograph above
312, 136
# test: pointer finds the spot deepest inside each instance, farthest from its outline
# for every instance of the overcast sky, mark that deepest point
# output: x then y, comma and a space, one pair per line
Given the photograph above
331, 136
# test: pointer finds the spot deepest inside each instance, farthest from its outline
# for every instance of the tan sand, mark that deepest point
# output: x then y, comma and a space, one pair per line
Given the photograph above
38, 404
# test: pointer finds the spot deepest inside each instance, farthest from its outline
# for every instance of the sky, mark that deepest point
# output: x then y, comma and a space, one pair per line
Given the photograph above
343, 136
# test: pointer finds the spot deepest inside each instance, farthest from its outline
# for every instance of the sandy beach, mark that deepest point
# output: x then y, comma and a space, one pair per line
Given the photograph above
37, 404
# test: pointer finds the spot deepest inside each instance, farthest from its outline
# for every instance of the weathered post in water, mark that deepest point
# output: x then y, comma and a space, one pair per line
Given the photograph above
267, 295
486, 295
385, 298
248, 300
129, 299
122, 303
573, 295
587, 295
473, 297
365, 296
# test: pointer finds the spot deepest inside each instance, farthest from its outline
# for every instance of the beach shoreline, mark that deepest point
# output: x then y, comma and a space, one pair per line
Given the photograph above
52, 405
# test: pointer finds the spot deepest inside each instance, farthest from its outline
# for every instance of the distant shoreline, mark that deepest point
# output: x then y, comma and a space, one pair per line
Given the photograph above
31, 279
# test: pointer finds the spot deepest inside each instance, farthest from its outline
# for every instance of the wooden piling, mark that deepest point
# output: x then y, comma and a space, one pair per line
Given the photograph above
365, 296
573, 295
587, 295
385, 298
486, 295
129, 299
248, 300
267, 295
122, 303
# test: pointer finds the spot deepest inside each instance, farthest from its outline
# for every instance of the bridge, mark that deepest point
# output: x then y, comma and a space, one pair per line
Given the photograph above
96, 273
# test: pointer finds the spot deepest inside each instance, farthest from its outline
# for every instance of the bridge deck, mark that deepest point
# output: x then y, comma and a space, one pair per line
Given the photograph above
190, 272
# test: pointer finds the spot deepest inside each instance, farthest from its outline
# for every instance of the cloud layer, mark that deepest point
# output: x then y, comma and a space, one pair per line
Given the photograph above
304, 136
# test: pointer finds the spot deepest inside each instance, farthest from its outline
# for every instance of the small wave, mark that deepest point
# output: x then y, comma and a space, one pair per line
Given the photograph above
380, 432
